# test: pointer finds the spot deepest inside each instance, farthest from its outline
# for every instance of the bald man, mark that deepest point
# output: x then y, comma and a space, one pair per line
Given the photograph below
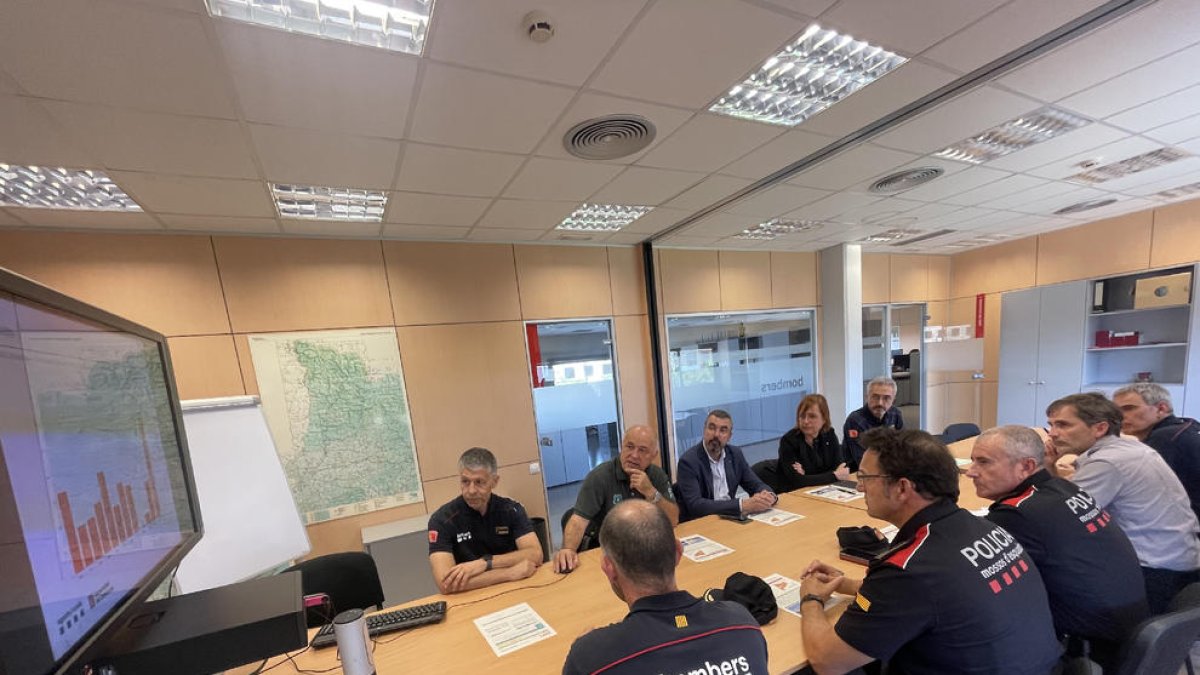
632, 475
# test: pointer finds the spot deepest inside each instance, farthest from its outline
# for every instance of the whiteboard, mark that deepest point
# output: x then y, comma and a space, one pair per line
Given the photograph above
251, 524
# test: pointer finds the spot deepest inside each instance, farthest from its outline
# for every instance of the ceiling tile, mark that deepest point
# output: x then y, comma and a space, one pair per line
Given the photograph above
89, 220
1177, 132
657, 220
995, 190
322, 158
1071, 143
120, 54
7, 84
626, 238
852, 167
809, 8
931, 211
1149, 33
1166, 110
174, 144
421, 209
1140, 85
952, 220
1106, 154
303, 81
466, 108
330, 228
776, 200
584, 32
707, 192
428, 168
720, 225
198, 196
906, 26
685, 241
881, 213
898, 88
591, 105
640, 186
1013, 201
526, 215
961, 117
424, 232
651, 65
543, 178
707, 142
29, 135
833, 206
505, 236
214, 224
947, 187
1179, 170
1049, 205
778, 153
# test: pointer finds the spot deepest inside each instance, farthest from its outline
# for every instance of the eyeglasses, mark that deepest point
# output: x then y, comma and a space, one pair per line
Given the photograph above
864, 476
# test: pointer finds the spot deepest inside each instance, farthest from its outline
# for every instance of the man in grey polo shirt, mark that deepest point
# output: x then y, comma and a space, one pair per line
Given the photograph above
1131, 481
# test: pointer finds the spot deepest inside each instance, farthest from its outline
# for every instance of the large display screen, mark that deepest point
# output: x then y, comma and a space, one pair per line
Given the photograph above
95, 489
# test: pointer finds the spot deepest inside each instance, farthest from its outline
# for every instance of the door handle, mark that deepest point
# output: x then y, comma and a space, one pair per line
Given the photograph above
547, 442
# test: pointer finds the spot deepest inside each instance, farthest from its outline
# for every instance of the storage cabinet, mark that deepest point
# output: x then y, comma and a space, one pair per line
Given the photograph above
1041, 350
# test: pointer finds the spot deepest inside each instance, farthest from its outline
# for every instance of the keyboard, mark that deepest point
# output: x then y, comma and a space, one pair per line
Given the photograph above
388, 622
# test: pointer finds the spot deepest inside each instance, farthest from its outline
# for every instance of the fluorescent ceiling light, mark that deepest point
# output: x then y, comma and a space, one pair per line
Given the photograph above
1013, 135
981, 240
1085, 206
309, 202
890, 235
602, 217
777, 226
395, 25
1181, 191
1128, 167
818, 69
57, 188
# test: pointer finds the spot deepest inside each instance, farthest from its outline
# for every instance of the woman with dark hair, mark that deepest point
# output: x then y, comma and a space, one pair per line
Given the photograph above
810, 454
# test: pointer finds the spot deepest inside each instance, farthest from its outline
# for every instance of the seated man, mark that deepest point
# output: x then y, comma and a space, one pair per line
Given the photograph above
711, 472
667, 630
953, 593
632, 475
480, 538
1135, 485
876, 412
1089, 566
1147, 414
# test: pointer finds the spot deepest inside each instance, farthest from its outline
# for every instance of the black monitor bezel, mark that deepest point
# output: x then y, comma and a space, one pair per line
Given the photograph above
19, 286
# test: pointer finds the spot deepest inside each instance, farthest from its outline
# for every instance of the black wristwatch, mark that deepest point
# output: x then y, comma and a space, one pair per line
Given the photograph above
812, 596
487, 558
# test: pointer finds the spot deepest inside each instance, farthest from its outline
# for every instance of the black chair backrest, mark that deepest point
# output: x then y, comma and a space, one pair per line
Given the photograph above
351, 581
768, 472
1161, 644
959, 431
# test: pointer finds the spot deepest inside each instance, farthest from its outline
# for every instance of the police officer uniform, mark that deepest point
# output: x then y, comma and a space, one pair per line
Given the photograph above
1177, 439
607, 485
858, 423
673, 633
954, 594
1090, 568
459, 529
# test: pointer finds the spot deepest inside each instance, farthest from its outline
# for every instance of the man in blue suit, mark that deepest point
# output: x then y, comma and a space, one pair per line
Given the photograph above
711, 472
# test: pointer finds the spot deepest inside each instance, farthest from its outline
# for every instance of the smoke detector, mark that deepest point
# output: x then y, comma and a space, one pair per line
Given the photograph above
609, 137
538, 26
905, 180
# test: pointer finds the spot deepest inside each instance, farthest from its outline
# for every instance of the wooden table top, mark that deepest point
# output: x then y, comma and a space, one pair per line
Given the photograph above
574, 603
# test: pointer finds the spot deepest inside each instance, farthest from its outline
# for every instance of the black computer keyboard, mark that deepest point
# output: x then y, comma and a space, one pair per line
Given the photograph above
388, 622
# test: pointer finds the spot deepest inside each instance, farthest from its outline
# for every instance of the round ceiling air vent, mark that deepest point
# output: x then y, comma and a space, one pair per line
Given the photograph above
609, 137
1085, 206
904, 180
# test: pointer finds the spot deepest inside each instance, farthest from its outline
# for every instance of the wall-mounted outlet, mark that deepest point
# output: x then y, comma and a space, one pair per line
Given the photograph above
534, 468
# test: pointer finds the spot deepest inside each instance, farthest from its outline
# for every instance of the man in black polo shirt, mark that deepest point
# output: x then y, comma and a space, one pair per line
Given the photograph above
953, 594
480, 538
667, 630
1090, 568
632, 475
1147, 414
876, 412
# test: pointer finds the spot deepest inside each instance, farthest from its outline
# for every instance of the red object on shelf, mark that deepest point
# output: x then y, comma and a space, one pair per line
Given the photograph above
1104, 338
1128, 339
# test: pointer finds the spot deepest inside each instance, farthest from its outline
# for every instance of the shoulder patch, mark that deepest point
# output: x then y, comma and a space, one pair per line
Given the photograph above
863, 603
853, 433
681, 621
1018, 499
901, 557
433, 536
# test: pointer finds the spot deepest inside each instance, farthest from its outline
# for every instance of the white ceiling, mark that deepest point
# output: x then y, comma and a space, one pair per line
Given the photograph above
193, 116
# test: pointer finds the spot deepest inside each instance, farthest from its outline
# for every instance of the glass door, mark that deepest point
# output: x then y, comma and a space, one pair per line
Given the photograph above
893, 340
575, 402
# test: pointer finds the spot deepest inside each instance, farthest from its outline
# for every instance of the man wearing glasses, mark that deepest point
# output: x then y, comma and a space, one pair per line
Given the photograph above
953, 593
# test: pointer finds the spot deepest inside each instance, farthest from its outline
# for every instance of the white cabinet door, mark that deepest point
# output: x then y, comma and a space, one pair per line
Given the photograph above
1017, 396
1062, 322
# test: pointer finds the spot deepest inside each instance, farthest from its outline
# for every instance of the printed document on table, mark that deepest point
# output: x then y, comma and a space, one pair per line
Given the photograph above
511, 629
699, 548
836, 493
776, 517
787, 594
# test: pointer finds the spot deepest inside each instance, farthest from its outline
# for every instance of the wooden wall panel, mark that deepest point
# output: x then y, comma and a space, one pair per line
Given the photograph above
939, 277
794, 280
962, 311
1110, 246
206, 366
634, 370
276, 285
993, 269
938, 312
691, 281
745, 280
451, 283
909, 278
989, 392
558, 282
1175, 239
241, 343
876, 278
627, 277
167, 283
468, 384
345, 534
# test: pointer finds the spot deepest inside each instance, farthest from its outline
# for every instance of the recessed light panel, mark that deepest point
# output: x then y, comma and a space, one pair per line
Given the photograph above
395, 25
602, 217
1013, 135
890, 235
57, 188
310, 202
818, 69
1181, 191
1085, 206
1128, 167
777, 226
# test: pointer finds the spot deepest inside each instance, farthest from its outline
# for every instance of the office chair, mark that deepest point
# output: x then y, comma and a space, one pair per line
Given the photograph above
351, 581
959, 431
768, 472
1162, 644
